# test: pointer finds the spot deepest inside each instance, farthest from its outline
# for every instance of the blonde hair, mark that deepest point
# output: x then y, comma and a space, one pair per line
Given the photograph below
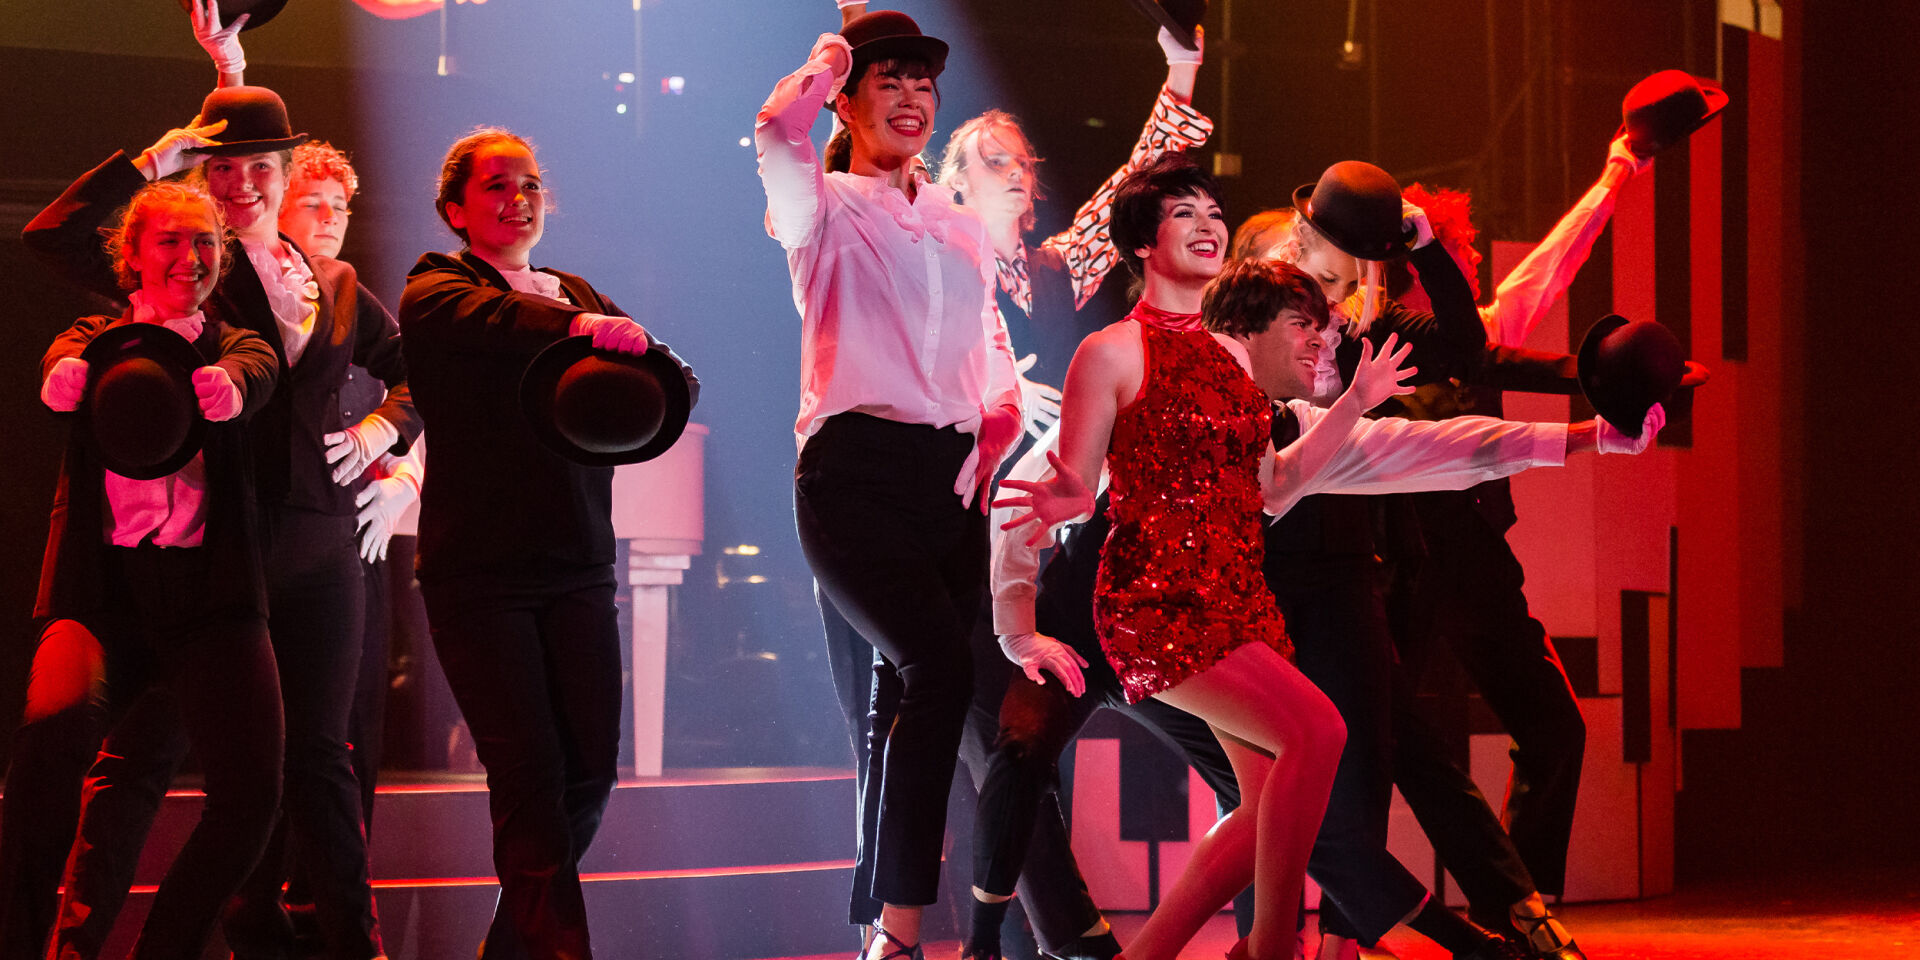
1261, 234
954, 160
123, 238
1359, 309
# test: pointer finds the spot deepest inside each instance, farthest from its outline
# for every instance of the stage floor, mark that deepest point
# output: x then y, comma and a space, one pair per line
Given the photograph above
1860, 915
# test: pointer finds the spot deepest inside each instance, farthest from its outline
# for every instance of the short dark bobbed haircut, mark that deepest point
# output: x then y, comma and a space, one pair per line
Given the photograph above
1136, 202
1246, 297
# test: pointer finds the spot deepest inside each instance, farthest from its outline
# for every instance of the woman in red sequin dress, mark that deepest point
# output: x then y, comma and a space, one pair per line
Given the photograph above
1182, 609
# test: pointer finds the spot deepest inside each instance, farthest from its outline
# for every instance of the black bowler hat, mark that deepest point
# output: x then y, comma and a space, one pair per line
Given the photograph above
599, 408
1665, 108
257, 11
256, 122
143, 417
886, 34
1356, 206
1625, 367
1180, 17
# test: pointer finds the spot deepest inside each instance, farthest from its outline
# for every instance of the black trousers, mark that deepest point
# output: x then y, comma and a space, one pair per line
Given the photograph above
1468, 595
1336, 614
169, 655
533, 657
904, 563
317, 596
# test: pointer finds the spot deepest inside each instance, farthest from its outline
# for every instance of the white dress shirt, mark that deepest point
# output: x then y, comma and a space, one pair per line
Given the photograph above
291, 291
895, 296
1389, 455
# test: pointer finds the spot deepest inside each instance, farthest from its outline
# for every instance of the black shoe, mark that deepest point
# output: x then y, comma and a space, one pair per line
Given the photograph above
970, 952
1536, 937
1100, 947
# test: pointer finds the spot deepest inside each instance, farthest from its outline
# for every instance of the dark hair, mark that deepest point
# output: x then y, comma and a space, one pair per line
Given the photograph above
839, 153
457, 169
123, 237
899, 68
1245, 298
1136, 202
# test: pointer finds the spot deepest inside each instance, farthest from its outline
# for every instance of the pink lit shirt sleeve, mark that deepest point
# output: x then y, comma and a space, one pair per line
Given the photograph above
1392, 455
1087, 246
1544, 274
782, 133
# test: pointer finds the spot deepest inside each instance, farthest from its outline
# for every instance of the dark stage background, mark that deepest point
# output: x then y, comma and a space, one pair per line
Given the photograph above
661, 207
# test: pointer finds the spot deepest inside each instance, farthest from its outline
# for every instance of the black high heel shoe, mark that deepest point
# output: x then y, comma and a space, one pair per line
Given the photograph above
900, 951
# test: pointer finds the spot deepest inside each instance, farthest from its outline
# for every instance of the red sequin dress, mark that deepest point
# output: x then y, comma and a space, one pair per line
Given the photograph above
1180, 585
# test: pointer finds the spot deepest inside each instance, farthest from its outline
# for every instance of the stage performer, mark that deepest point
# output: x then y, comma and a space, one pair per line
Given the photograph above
1467, 594
1012, 564
152, 598
319, 319
516, 543
909, 400
315, 216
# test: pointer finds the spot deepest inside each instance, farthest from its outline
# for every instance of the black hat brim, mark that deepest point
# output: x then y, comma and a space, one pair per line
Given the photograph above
174, 354
258, 11
931, 50
1182, 31
542, 376
1717, 101
1303, 194
244, 147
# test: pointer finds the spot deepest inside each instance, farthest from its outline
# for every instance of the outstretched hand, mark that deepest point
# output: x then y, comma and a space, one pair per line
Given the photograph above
1049, 502
1380, 375
1611, 440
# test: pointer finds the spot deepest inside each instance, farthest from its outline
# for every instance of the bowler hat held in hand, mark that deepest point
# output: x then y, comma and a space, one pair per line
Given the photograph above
143, 418
1356, 206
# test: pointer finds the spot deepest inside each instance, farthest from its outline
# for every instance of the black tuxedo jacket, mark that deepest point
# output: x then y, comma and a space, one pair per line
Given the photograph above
351, 327
496, 499
71, 576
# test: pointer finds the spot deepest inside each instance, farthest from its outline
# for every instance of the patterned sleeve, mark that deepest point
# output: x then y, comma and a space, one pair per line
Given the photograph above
1086, 246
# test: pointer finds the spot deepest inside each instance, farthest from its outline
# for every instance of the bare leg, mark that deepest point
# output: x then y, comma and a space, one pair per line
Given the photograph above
1283, 738
902, 926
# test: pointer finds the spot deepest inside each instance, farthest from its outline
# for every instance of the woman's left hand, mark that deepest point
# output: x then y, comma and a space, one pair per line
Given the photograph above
1049, 502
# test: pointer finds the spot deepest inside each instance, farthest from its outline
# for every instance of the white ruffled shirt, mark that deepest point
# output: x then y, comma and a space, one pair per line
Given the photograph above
291, 290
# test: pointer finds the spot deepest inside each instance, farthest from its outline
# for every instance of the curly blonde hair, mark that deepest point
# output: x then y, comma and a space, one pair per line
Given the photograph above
123, 237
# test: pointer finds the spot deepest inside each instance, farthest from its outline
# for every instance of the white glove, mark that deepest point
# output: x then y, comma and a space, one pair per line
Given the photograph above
219, 396
222, 44
66, 383
381, 505
351, 450
1040, 402
619, 334
1609, 440
1416, 218
169, 155
1037, 651
1619, 152
1177, 52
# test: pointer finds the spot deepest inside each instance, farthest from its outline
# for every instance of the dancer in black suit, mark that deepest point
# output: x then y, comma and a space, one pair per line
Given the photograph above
153, 605
516, 543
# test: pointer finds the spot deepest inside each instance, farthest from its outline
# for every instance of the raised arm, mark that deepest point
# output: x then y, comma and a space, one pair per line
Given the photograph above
222, 44
1105, 375
1543, 276
782, 134
1172, 124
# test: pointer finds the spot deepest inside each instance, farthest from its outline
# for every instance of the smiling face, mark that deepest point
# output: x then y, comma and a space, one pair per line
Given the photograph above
1191, 243
889, 115
315, 216
249, 189
996, 175
502, 208
1284, 355
176, 255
